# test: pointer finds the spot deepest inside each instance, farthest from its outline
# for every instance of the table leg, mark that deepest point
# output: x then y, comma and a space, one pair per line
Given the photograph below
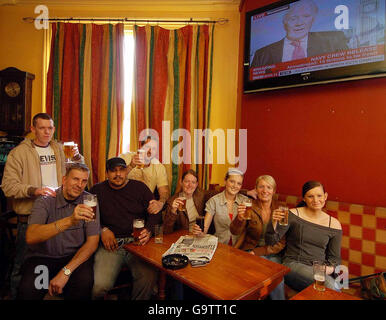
161, 285
266, 290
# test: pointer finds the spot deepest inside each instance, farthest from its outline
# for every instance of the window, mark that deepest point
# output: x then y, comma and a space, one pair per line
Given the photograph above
128, 79
128, 60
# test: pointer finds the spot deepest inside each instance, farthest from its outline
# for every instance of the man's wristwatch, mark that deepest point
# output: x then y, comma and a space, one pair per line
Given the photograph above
67, 271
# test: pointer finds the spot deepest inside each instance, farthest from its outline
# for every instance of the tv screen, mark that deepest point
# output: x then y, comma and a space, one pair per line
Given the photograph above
303, 42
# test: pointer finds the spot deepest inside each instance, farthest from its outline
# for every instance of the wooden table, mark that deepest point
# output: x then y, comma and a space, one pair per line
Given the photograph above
232, 274
310, 293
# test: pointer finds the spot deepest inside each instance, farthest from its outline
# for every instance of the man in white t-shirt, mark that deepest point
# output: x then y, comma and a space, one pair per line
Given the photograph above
153, 174
34, 168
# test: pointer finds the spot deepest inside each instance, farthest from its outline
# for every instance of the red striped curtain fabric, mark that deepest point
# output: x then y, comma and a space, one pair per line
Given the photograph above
172, 84
85, 89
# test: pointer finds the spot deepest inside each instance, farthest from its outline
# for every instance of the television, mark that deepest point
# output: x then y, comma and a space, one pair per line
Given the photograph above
306, 42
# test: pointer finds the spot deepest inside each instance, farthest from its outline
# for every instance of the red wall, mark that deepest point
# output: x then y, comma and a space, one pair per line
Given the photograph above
334, 133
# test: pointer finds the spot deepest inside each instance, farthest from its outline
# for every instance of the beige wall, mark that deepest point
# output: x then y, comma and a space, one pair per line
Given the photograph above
22, 47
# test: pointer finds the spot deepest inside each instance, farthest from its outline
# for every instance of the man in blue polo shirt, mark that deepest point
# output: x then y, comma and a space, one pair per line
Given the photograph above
62, 236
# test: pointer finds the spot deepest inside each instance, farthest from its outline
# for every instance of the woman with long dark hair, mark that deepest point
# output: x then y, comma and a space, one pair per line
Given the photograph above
311, 235
194, 199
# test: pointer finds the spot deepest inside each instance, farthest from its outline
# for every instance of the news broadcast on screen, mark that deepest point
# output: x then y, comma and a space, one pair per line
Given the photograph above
307, 36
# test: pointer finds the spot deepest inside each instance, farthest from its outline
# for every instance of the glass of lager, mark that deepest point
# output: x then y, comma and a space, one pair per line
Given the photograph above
248, 210
67, 149
158, 233
319, 269
138, 226
91, 200
182, 206
284, 221
141, 154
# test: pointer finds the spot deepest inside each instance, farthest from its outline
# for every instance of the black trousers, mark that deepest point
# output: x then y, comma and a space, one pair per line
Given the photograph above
78, 287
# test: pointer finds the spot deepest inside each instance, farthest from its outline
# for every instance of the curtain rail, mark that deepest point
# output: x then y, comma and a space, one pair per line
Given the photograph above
147, 21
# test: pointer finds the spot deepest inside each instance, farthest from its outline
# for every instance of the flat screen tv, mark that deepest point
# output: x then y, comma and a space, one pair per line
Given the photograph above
305, 42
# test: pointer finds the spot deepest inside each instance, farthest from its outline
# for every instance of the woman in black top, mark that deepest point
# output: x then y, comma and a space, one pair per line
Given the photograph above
311, 235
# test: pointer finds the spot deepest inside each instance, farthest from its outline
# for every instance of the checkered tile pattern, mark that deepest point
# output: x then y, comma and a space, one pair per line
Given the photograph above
364, 234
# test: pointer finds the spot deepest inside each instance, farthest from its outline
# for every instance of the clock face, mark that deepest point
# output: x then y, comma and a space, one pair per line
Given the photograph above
12, 89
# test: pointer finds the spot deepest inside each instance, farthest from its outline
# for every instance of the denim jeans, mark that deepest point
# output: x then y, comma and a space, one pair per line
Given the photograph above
20, 252
301, 276
278, 292
108, 264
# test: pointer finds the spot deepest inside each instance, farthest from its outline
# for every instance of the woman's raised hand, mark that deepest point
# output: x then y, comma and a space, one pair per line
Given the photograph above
176, 203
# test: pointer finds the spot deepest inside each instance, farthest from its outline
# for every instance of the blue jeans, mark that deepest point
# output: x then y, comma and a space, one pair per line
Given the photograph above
108, 264
278, 292
20, 252
301, 276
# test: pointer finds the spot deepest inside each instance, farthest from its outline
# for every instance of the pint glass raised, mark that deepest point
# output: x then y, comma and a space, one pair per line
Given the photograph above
91, 200
67, 149
141, 153
248, 210
182, 206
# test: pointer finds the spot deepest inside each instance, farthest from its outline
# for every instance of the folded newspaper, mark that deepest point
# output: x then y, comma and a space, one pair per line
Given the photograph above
199, 250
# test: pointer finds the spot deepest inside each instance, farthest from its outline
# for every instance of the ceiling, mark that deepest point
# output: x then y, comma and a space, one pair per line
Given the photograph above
121, 2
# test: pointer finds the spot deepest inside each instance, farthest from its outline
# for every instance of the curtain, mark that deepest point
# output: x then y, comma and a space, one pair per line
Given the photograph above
85, 90
172, 95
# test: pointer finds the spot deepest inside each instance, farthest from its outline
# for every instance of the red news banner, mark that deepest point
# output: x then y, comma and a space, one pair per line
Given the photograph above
326, 61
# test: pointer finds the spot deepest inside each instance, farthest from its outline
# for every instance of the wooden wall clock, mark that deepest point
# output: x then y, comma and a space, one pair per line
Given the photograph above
15, 101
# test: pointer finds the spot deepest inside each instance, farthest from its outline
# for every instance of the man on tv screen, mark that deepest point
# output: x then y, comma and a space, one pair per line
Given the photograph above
299, 42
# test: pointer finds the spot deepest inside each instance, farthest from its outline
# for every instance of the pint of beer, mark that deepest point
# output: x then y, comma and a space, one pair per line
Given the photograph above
138, 226
284, 221
67, 148
200, 222
248, 211
141, 153
158, 233
319, 282
319, 269
182, 206
91, 201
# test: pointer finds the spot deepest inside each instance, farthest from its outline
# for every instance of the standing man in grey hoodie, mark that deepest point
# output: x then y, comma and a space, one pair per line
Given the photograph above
34, 168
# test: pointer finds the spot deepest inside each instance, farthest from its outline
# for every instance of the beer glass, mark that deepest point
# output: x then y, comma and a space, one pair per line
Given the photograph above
200, 222
138, 226
158, 233
284, 221
182, 206
141, 153
319, 269
248, 210
91, 200
68, 152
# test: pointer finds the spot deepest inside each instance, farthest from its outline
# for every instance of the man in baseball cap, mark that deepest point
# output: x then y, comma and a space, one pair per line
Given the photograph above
115, 162
120, 201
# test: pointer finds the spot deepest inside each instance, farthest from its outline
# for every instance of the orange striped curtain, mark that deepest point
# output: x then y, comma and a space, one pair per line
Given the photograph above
85, 90
173, 75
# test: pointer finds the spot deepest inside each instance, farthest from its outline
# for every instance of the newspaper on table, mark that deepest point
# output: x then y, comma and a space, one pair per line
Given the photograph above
199, 250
